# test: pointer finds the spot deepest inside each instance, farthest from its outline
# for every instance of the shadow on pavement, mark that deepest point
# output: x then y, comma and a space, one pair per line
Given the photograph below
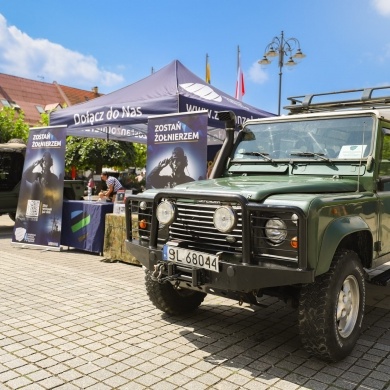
264, 341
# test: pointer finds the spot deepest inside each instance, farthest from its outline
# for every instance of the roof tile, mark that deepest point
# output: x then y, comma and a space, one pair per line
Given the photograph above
31, 93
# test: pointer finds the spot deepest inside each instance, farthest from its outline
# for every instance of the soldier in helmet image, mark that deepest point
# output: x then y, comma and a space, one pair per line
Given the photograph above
178, 163
45, 183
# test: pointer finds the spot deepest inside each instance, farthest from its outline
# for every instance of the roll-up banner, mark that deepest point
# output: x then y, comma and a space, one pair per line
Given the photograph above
39, 212
177, 149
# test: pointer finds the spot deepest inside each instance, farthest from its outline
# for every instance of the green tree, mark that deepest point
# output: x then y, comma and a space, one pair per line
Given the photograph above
44, 119
140, 155
94, 153
12, 125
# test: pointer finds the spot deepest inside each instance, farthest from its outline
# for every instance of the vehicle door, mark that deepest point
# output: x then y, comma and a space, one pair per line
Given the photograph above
384, 192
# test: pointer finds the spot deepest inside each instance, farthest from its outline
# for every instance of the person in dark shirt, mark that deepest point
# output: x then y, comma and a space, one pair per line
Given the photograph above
178, 162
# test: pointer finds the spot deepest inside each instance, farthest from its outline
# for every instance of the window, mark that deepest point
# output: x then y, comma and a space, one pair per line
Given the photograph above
343, 138
384, 163
5, 103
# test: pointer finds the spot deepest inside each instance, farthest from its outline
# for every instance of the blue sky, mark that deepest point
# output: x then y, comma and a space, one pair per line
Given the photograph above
111, 44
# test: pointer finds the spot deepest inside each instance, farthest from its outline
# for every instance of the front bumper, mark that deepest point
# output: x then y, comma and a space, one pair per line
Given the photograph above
245, 265
233, 277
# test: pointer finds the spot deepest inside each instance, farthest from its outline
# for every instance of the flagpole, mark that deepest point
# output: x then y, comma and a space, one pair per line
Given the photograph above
207, 61
208, 75
238, 57
240, 89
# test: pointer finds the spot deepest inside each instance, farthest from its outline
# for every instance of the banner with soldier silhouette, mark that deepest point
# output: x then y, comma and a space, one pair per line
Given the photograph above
39, 211
176, 149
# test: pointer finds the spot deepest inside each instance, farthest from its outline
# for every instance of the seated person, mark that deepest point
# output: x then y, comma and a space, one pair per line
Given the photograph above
113, 186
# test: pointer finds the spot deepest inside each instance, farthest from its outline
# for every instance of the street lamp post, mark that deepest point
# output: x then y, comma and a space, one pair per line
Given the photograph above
279, 47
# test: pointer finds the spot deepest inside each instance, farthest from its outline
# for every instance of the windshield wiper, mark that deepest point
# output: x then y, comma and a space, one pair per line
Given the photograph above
311, 154
264, 155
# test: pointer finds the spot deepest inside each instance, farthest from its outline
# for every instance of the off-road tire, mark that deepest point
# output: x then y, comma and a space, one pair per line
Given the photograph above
322, 329
170, 300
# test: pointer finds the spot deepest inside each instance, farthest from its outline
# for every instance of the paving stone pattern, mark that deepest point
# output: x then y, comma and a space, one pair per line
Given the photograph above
71, 320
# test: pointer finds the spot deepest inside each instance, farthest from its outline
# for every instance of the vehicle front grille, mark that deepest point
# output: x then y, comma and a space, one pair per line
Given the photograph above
194, 226
194, 229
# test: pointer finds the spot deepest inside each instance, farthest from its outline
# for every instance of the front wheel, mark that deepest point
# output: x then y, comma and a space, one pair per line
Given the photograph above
171, 300
331, 309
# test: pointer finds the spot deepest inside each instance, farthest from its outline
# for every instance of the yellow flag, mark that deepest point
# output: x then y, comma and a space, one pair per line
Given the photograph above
208, 73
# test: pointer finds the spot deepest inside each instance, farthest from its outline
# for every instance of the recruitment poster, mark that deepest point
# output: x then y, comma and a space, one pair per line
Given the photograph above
177, 149
39, 211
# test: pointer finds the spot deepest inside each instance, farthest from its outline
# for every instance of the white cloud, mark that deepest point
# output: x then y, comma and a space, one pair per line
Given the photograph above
21, 55
382, 6
257, 74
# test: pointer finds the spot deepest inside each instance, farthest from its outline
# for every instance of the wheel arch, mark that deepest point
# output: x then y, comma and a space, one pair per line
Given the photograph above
349, 233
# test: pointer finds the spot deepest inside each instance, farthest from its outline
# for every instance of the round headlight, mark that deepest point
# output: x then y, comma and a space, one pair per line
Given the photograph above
225, 219
165, 213
276, 230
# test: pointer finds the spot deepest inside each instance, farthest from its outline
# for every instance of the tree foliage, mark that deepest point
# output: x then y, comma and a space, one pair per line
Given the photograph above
12, 125
140, 155
44, 119
94, 153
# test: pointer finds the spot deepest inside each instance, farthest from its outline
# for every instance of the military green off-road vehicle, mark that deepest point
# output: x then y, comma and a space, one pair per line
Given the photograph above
11, 169
297, 207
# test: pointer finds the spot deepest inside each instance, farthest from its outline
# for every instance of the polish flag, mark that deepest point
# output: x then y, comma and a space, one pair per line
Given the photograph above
240, 87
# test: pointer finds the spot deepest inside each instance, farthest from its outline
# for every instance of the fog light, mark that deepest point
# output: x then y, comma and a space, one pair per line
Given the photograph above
165, 212
225, 219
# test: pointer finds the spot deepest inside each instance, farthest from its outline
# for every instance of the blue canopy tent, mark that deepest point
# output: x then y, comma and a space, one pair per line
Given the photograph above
123, 115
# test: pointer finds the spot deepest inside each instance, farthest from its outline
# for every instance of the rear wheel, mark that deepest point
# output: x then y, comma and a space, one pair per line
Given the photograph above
170, 300
331, 309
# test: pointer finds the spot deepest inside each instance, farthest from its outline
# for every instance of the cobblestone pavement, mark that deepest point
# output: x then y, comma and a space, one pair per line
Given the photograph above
70, 320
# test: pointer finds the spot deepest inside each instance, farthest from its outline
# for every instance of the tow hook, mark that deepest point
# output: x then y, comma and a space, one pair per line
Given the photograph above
157, 274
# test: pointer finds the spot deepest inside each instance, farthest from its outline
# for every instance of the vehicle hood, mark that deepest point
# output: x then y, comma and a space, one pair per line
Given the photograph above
259, 188
13, 148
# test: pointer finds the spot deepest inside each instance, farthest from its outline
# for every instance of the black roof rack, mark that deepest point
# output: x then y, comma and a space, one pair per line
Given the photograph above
356, 98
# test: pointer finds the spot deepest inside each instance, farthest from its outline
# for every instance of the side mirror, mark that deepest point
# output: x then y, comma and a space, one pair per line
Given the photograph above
383, 183
370, 161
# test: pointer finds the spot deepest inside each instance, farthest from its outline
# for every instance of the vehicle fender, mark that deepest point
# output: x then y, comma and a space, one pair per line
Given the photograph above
335, 232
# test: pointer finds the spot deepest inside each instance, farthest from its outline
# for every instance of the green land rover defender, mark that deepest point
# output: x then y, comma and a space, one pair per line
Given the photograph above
296, 207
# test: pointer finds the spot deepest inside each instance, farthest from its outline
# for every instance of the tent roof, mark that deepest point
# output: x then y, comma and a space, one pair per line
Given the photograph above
123, 114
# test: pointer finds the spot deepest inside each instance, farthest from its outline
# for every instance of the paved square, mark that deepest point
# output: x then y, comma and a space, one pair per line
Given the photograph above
70, 320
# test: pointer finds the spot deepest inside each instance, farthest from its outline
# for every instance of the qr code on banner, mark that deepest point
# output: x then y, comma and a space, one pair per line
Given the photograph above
32, 208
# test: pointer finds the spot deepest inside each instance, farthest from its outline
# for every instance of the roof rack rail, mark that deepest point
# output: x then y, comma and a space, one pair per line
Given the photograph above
357, 98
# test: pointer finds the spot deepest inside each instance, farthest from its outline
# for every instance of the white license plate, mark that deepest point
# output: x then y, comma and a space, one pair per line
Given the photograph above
191, 258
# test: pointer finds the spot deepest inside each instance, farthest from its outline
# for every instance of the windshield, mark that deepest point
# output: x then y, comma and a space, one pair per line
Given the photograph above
337, 138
